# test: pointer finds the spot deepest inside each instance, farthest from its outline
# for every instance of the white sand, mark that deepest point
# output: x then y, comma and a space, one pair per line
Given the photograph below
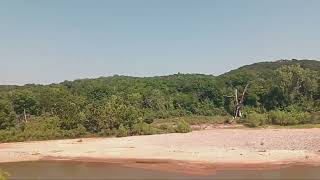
209, 146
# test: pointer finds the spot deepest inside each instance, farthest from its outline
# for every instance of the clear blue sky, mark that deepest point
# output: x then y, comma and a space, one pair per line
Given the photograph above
44, 41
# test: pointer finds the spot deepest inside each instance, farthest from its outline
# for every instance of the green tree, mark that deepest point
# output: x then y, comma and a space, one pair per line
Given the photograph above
70, 109
156, 100
25, 102
214, 95
111, 113
7, 114
298, 83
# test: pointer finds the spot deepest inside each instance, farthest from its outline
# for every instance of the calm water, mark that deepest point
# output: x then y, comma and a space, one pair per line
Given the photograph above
85, 170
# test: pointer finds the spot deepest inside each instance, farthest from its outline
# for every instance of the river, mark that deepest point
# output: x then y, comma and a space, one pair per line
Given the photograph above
86, 170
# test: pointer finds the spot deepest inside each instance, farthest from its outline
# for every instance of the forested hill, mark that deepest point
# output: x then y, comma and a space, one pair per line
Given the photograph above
107, 105
265, 68
273, 65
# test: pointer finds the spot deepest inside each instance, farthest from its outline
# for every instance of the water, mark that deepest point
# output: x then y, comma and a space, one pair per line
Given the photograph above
85, 170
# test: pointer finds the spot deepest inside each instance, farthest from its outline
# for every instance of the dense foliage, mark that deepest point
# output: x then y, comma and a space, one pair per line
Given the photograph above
282, 92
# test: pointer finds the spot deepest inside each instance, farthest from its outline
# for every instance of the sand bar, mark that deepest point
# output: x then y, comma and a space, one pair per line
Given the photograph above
198, 150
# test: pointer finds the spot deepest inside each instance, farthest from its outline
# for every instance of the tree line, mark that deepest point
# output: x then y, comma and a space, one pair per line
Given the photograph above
121, 105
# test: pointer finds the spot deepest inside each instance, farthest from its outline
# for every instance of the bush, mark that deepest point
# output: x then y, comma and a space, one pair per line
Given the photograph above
166, 128
255, 119
10, 135
207, 108
142, 128
315, 118
284, 118
183, 127
122, 131
302, 117
42, 128
249, 110
79, 131
196, 120
107, 132
279, 118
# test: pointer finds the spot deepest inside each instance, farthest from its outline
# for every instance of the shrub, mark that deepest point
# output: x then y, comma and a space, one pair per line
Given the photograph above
196, 120
79, 131
315, 118
122, 131
302, 117
182, 127
248, 110
207, 108
42, 128
279, 117
108, 132
142, 128
284, 118
255, 119
166, 128
11, 134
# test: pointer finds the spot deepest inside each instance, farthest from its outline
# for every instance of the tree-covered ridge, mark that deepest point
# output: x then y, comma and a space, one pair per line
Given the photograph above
273, 65
122, 105
278, 84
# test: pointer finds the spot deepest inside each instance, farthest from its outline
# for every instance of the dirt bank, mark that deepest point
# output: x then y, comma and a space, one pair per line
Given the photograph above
196, 152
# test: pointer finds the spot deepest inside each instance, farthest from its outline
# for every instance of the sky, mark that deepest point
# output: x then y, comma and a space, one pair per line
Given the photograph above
49, 41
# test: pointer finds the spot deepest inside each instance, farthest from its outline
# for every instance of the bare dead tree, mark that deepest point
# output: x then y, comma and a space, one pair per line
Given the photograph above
239, 102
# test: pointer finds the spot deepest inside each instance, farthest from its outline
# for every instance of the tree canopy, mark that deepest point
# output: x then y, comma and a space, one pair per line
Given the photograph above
107, 104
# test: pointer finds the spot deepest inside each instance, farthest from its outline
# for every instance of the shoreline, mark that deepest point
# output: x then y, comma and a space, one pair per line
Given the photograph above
193, 168
183, 167
195, 153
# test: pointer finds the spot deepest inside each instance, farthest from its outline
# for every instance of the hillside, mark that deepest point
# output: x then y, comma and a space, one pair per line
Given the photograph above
268, 67
273, 65
263, 71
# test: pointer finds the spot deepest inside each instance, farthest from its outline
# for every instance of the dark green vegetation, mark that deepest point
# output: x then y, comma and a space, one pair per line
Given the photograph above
280, 93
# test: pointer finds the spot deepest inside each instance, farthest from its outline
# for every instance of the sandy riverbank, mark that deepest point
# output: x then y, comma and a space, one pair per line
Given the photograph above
192, 152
